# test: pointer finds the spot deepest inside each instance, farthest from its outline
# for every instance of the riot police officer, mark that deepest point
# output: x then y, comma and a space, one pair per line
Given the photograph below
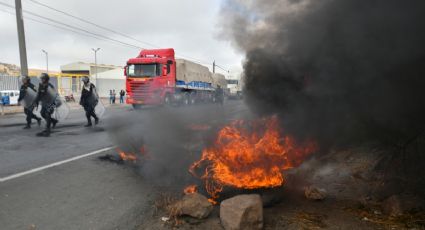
89, 100
219, 95
28, 98
49, 101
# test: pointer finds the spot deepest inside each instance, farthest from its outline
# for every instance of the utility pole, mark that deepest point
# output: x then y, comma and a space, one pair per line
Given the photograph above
47, 60
214, 66
21, 38
95, 64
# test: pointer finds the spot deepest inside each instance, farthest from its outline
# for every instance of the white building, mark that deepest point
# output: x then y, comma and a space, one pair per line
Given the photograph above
109, 80
109, 77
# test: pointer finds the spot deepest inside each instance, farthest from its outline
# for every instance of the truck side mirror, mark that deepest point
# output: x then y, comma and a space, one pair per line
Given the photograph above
125, 70
164, 70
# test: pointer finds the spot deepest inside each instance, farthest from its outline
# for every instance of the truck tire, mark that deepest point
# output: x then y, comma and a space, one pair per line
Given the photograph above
186, 99
167, 100
192, 98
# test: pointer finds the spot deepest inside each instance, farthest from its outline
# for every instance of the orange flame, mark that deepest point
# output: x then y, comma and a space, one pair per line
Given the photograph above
127, 156
249, 156
191, 189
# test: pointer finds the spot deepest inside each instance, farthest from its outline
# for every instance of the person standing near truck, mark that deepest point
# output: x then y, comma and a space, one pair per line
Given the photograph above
89, 100
48, 97
114, 96
27, 96
122, 94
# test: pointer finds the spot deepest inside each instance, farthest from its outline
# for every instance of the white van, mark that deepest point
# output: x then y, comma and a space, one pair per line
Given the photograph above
13, 96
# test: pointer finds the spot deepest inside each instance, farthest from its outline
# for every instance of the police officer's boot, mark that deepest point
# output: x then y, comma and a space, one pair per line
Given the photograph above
89, 124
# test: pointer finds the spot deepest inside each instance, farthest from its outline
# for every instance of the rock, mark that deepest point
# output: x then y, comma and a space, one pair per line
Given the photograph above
397, 205
242, 212
194, 205
314, 193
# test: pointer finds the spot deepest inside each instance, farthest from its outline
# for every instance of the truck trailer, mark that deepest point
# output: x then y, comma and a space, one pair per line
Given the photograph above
156, 77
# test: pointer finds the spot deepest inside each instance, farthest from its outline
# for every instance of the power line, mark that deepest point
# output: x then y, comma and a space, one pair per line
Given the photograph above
98, 36
92, 23
73, 27
111, 30
64, 28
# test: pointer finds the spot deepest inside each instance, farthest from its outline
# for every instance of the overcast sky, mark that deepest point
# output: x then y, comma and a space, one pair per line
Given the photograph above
189, 26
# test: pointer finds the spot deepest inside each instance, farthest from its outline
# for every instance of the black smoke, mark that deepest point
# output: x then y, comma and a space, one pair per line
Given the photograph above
342, 72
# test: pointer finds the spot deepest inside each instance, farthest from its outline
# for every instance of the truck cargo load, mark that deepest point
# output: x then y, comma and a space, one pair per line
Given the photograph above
192, 75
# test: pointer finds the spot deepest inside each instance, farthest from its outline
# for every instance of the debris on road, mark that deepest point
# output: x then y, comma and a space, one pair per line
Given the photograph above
310, 220
397, 205
315, 193
242, 212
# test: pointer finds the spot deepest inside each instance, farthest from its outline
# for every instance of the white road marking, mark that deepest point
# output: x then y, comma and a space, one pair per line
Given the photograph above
31, 171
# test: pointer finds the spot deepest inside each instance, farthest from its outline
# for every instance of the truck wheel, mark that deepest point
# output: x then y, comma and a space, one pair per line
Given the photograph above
167, 100
186, 99
192, 99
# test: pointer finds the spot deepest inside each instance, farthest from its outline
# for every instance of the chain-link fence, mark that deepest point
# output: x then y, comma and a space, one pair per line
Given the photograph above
8, 82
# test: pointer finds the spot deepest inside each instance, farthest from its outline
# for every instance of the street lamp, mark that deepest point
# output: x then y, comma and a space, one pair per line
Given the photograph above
95, 64
47, 60
95, 59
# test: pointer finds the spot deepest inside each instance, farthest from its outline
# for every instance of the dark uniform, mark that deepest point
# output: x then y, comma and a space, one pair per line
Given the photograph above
48, 104
219, 95
89, 101
28, 110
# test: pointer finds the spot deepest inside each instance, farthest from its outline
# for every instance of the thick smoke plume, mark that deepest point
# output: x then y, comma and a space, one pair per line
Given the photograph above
171, 138
339, 71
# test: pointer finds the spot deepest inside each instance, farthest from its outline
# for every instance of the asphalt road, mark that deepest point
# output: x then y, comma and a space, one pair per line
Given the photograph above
59, 182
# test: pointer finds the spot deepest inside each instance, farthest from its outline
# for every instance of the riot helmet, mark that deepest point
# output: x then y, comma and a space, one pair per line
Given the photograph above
25, 79
85, 79
44, 77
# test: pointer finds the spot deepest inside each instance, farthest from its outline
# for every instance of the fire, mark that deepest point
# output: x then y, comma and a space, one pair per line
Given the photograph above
130, 156
191, 189
249, 155
127, 156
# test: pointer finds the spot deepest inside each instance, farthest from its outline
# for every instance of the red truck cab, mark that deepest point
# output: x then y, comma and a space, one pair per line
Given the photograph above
151, 77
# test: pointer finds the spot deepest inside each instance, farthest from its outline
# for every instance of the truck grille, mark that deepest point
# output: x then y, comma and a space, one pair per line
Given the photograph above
139, 89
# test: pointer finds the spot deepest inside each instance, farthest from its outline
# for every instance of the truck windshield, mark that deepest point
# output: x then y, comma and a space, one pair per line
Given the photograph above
143, 70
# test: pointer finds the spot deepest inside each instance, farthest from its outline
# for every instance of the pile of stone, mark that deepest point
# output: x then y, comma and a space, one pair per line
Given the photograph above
239, 212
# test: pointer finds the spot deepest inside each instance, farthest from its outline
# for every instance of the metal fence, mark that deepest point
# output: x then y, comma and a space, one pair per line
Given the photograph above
9, 82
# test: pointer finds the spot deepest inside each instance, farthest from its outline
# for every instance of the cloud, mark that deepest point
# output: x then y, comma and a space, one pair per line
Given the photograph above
189, 26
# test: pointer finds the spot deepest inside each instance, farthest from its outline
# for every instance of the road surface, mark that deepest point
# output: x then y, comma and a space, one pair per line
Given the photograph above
59, 182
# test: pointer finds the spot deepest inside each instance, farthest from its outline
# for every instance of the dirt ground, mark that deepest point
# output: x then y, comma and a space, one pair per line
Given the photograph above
295, 212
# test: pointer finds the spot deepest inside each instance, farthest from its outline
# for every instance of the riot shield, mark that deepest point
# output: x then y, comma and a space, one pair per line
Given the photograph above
99, 110
29, 98
49, 98
53, 99
62, 109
